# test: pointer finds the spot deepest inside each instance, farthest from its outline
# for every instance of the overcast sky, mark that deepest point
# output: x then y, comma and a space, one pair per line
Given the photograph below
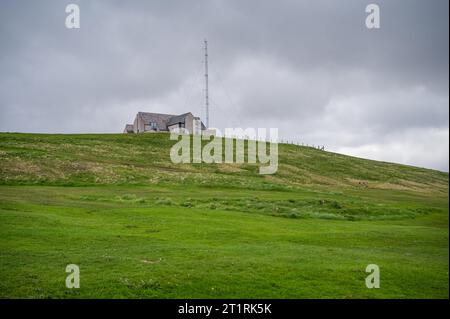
310, 68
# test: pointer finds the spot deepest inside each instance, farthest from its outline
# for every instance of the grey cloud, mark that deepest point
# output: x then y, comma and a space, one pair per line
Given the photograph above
310, 68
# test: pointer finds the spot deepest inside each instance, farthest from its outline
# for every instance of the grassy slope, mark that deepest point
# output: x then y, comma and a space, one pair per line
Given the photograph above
140, 226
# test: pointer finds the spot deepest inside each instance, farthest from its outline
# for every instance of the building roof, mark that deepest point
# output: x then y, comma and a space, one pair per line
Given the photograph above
178, 119
164, 120
160, 119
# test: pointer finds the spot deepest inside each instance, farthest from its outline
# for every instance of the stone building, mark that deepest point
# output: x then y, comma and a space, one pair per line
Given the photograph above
156, 122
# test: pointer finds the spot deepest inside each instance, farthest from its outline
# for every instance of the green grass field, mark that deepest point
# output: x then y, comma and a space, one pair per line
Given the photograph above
141, 227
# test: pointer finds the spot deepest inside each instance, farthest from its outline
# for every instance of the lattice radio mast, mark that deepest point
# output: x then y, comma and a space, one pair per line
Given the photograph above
206, 84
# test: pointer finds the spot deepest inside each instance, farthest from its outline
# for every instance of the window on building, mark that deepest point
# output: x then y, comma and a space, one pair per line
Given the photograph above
153, 125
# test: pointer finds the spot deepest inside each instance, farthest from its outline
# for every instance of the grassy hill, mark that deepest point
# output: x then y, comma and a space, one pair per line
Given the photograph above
144, 159
140, 226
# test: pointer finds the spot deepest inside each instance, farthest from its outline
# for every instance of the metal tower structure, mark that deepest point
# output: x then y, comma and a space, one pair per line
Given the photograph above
206, 84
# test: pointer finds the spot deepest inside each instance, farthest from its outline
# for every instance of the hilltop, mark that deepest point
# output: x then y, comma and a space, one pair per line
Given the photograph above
143, 159
140, 226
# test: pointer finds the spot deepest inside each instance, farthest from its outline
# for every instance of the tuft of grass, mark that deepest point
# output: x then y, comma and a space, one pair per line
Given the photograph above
164, 201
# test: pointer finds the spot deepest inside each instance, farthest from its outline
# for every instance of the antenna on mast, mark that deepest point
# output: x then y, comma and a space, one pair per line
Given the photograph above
206, 84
